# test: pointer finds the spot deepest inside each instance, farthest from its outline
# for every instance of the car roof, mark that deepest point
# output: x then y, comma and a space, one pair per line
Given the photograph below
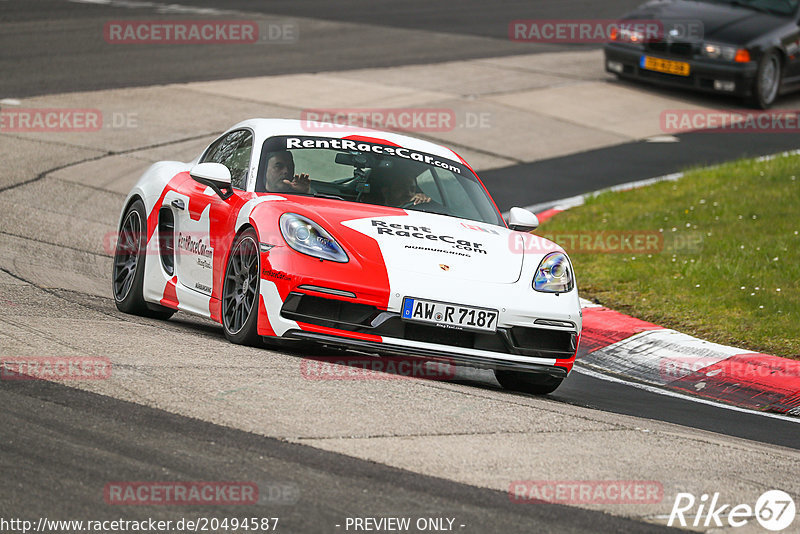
265, 128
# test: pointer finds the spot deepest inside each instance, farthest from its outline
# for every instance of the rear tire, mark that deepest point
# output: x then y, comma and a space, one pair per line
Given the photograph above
241, 290
127, 280
537, 384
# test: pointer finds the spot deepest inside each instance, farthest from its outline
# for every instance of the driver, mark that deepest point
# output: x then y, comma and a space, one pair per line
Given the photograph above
280, 168
403, 190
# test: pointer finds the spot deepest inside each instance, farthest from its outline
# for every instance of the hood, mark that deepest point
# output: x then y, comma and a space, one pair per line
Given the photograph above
721, 22
436, 245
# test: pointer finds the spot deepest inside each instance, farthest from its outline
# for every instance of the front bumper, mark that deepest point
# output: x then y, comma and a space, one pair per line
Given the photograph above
338, 322
702, 73
387, 346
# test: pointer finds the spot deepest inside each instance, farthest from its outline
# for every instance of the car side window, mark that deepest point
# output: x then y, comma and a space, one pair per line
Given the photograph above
462, 196
233, 150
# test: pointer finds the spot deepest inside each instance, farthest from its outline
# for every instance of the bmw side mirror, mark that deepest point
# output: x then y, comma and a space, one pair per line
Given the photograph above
522, 220
214, 175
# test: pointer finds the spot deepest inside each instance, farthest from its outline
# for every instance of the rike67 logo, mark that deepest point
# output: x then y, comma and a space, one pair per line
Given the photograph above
774, 510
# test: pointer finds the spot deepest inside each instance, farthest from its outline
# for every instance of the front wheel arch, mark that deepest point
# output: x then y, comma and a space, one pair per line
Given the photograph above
240, 291
131, 300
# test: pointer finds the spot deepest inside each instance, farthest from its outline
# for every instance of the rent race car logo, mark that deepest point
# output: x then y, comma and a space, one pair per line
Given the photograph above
774, 510
195, 246
423, 232
348, 144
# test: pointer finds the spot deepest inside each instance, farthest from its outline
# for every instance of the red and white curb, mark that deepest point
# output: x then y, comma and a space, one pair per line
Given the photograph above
643, 352
621, 345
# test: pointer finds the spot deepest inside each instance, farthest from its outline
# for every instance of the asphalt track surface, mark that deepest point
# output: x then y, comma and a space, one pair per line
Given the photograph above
624, 399
56, 46
558, 178
314, 490
59, 444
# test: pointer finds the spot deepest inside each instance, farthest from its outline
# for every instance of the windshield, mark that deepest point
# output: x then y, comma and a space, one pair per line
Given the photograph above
371, 173
780, 7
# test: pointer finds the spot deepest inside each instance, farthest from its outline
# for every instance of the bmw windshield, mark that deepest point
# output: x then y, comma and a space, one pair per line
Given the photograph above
778, 7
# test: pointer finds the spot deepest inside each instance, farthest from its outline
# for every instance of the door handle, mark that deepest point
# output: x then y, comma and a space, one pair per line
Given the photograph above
178, 204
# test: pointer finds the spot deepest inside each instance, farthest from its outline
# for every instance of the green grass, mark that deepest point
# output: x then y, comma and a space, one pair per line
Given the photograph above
738, 286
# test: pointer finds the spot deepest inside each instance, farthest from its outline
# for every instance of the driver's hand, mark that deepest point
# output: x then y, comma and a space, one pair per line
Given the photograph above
300, 183
419, 198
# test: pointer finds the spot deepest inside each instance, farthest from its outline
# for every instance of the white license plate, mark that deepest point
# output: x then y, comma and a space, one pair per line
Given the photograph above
449, 315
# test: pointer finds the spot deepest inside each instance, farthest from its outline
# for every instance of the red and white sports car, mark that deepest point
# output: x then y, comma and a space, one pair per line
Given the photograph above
362, 239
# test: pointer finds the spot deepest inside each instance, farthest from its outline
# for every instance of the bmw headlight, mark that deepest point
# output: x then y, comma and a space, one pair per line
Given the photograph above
724, 52
626, 34
554, 274
307, 237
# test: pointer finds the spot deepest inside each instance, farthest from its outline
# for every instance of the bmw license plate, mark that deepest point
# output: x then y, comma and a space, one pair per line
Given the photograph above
667, 66
449, 315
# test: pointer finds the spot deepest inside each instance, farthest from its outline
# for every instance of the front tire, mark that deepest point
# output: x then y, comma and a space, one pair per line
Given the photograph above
537, 384
241, 290
768, 81
127, 280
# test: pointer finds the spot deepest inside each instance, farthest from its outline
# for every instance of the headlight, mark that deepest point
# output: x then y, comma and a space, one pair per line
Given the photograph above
554, 274
727, 53
307, 237
626, 35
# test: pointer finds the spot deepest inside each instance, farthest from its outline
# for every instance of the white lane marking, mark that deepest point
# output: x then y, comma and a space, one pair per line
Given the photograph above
663, 139
589, 304
668, 393
159, 7
10, 102
781, 155
578, 200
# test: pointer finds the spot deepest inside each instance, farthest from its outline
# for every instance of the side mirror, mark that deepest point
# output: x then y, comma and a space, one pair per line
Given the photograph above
216, 176
522, 220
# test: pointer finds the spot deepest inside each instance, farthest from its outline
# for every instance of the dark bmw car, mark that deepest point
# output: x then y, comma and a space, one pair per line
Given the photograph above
748, 48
